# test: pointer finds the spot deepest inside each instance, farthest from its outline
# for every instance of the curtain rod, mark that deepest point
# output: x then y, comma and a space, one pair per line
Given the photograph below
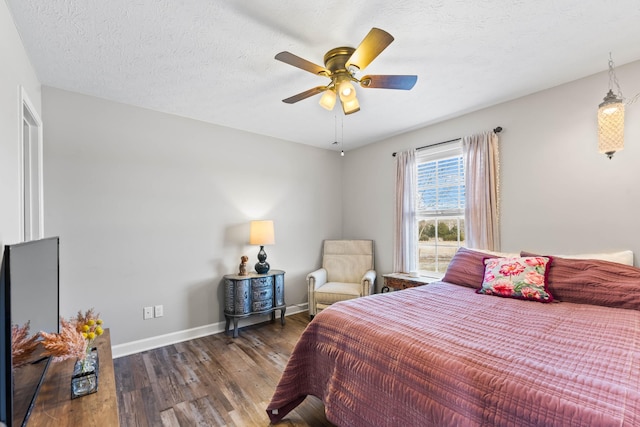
496, 130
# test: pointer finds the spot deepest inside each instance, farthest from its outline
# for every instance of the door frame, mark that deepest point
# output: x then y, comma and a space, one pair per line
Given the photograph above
31, 179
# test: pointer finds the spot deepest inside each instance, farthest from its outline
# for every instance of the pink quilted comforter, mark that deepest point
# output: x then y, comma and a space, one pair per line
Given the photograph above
443, 355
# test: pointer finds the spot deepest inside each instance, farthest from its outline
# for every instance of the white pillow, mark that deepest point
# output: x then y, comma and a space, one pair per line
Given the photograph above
622, 257
498, 254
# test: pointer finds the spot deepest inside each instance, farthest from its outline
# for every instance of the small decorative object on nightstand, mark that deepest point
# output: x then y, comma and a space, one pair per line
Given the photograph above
253, 294
399, 281
242, 269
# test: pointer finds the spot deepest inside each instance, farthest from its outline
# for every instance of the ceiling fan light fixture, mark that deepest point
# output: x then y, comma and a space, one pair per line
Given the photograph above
341, 65
351, 106
328, 99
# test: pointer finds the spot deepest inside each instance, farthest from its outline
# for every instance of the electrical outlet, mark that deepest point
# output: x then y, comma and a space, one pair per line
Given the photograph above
158, 311
147, 313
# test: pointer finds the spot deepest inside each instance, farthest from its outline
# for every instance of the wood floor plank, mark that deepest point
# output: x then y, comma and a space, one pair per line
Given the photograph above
213, 381
169, 418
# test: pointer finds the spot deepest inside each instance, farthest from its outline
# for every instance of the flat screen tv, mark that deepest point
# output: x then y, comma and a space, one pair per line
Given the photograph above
29, 292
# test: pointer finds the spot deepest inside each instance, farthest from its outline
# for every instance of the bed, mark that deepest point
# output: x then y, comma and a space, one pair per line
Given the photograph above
444, 355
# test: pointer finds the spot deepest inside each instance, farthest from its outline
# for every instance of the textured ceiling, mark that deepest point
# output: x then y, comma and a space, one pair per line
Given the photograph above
214, 60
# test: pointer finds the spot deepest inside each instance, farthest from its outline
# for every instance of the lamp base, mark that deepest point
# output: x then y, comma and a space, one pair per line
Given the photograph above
262, 266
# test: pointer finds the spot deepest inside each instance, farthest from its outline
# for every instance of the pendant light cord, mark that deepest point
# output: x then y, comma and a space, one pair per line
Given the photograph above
342, 140
613, 80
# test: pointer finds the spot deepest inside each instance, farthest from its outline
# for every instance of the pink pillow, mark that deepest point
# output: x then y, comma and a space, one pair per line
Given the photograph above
466, 268
518, 277
595, 282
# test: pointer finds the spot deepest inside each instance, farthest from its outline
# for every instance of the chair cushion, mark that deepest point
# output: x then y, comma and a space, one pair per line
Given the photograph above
332, 292
347, 260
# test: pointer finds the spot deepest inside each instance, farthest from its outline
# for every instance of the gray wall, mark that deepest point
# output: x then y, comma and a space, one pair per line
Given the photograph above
154, 209
558, 194
16, 71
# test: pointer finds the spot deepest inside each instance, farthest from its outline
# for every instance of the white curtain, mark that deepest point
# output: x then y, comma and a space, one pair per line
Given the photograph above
405, 234
482, 171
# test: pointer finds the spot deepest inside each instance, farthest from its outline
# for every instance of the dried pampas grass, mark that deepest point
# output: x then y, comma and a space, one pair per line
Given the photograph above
22, 345
67, 344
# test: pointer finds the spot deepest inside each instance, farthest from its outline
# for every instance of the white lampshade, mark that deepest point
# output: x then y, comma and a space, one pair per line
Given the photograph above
261, 233
328, 99
610, 125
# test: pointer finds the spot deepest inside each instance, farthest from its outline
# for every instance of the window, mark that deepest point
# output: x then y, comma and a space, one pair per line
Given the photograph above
440, 206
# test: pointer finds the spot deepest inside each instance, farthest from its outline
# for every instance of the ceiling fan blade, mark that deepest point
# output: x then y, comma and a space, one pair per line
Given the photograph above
389, 82
375, 42
304, 95
296, 61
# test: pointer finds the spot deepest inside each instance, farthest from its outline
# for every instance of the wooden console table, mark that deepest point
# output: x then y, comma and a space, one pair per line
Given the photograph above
253, 294
54, 406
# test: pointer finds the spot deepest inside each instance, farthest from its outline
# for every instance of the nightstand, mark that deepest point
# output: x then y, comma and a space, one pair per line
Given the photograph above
253, 294
399, 281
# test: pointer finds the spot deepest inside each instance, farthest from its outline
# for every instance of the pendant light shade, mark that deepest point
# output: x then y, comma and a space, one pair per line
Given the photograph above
611, 117
610, 125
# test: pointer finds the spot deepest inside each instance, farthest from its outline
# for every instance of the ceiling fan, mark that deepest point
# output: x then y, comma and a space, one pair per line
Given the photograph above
340, 65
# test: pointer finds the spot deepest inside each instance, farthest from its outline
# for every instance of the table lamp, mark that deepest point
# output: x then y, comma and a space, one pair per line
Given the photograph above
261, 234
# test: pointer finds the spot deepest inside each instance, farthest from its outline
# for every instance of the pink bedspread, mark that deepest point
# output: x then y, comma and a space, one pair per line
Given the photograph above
443, 355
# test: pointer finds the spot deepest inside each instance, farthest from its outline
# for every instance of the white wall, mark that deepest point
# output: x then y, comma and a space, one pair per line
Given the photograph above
153, 209
558, 194
16, 71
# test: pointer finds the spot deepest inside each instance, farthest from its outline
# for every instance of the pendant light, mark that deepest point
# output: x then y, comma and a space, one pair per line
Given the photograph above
611, 118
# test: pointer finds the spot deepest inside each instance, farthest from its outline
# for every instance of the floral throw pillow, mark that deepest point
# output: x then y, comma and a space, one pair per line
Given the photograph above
520, 277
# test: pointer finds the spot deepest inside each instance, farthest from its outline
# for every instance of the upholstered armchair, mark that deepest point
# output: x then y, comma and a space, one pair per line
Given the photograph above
347, 272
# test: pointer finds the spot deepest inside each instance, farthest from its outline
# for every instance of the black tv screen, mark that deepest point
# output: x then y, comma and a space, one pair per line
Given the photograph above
29, 292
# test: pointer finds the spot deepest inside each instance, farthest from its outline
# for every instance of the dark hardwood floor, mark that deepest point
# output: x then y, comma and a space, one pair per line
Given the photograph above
213, 381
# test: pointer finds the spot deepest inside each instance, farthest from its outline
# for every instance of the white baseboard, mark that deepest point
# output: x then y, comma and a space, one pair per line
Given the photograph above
133, 347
